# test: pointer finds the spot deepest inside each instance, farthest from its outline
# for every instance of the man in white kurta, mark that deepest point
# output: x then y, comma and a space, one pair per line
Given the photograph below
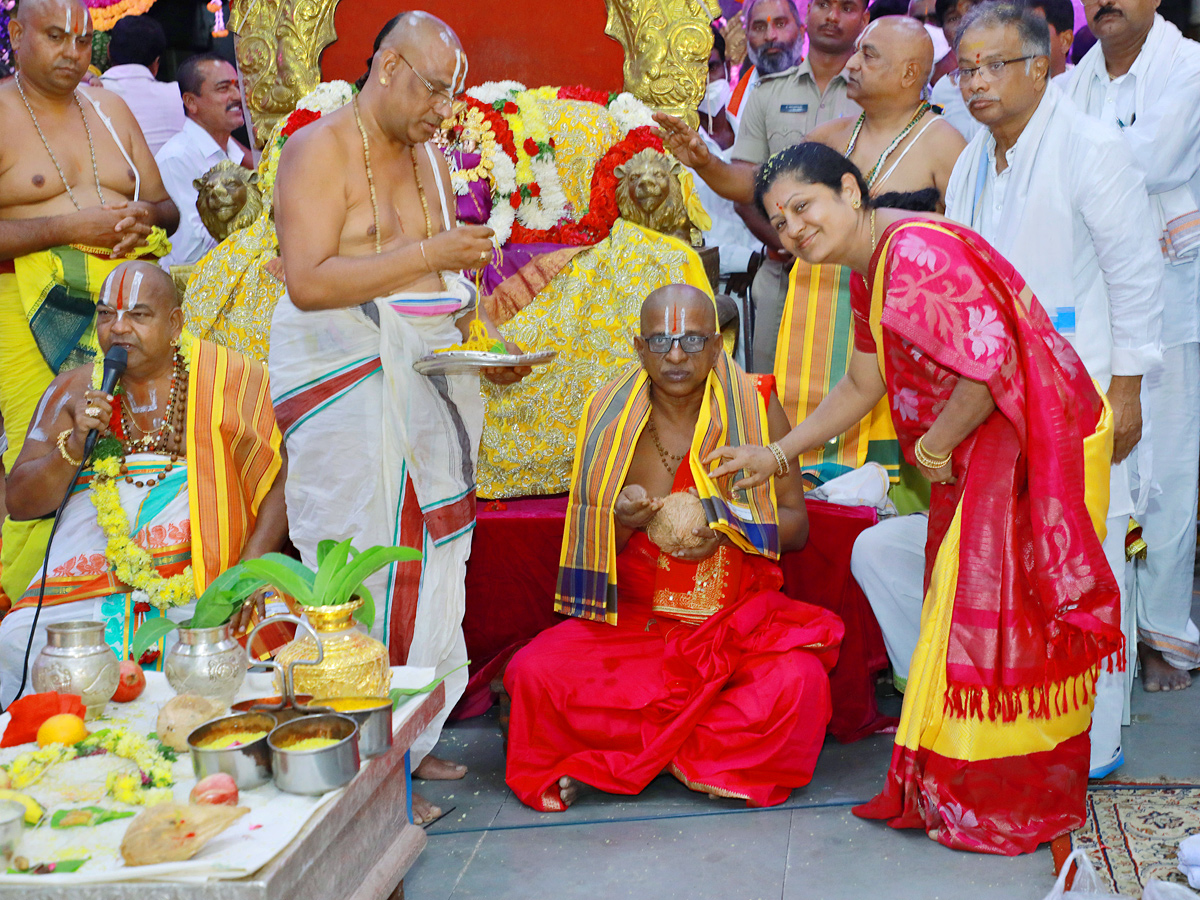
1069, 209
1144, 77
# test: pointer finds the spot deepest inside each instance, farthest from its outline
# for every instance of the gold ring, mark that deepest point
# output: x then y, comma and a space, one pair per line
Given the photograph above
92, 411
484, 256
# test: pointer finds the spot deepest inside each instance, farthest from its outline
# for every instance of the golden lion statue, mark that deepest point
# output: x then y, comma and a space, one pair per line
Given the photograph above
649, 194
229, 199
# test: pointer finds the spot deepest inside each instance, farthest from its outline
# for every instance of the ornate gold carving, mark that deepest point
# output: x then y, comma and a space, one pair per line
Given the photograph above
279, 44
355, 664
667, 43
228, 199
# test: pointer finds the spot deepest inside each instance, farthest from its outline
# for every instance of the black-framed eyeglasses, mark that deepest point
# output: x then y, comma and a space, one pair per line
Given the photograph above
665, 343
437, 95
991, 69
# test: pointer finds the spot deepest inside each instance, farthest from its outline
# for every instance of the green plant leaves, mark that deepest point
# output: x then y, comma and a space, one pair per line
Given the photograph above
223, 597
150, 633
347, 581
284, 574
366, 612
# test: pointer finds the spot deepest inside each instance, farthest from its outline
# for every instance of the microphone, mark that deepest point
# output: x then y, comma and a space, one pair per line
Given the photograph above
114, 367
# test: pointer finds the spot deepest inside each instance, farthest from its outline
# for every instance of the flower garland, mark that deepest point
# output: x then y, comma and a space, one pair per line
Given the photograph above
151, 784
106, 13
132, 564
504, 171
539, 201
602, 207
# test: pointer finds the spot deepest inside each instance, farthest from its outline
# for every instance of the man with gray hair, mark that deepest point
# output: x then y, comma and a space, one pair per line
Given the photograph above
1060, 196
1144, 76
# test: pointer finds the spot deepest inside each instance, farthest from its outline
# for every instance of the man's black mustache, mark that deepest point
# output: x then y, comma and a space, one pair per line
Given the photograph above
1107, 10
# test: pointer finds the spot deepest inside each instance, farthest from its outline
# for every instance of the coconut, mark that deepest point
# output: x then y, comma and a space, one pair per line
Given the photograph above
182, 715
672, 526
172, 832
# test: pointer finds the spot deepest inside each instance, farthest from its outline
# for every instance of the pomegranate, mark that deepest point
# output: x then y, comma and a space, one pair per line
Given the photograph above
131, 683
215, 790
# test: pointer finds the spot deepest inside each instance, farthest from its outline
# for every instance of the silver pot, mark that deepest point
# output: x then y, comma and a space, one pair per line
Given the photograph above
206, 661
248, 764
76, 660
12, 825
314, 771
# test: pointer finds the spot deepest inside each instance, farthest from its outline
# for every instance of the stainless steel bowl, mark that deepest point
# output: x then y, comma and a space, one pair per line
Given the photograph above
374, 722
314, 771
12, 824
248, 764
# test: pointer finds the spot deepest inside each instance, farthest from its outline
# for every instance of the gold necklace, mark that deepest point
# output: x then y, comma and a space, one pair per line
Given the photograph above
872, 231
665, 457
412, 150
46, 143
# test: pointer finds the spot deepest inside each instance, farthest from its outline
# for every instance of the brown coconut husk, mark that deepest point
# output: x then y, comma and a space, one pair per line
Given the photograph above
173, 832
672, 526
182, 715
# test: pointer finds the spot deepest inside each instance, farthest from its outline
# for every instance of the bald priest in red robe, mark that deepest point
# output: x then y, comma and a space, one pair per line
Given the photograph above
708, 672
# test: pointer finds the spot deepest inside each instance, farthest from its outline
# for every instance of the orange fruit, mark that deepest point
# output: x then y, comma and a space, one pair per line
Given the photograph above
65, 728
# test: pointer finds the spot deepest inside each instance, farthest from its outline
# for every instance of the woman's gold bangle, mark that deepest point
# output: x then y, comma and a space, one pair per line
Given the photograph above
927, 459
780, 459
62, 446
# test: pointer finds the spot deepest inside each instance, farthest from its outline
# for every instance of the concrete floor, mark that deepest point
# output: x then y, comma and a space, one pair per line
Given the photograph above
672, 843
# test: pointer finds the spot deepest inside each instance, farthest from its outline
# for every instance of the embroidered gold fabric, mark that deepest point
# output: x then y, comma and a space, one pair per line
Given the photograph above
588, 313
705, 598
583, 132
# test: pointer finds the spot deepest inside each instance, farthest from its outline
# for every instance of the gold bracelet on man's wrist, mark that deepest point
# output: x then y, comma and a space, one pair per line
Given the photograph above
62, 446
927, 459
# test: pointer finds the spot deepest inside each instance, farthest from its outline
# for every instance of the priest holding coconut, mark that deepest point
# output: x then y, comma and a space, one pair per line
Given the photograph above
706, 670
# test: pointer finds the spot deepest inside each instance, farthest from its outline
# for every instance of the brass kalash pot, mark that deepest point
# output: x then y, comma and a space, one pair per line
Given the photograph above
353, 663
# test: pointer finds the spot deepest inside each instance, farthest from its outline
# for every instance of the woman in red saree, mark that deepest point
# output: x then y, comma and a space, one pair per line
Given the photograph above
997, 411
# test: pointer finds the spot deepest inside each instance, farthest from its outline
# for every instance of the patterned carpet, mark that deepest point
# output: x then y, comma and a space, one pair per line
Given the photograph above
1132, 834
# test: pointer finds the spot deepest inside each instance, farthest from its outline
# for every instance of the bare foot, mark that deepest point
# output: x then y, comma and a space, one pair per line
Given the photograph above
1158, 674
434, 769
424, 812
568, 790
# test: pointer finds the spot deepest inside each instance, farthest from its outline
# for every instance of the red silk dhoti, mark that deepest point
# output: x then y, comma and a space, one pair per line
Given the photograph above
736, 705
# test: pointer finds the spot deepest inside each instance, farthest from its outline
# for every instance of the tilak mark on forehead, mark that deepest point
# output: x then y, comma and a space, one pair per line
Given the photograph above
675, 319
460, 65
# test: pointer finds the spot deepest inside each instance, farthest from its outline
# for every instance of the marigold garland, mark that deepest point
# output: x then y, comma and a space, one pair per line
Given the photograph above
149, 785
132, 564
106, 13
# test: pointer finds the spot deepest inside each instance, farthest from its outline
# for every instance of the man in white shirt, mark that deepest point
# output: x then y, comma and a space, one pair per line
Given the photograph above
214, 109
1060, 196
135, 45
1144, 76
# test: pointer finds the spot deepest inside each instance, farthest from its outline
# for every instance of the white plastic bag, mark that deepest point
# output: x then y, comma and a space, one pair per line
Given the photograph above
1087, 884
1166, 890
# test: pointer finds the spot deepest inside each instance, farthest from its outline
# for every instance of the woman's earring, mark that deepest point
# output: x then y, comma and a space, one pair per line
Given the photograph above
856, 203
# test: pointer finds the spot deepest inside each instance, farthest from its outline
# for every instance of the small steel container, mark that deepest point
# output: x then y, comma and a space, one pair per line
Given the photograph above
314, 771
12, 824
76, 660
374, 718
276, 707
206, 661
248, 764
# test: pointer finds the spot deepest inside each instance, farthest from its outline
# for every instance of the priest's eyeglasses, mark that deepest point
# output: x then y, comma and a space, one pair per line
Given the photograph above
991, 70
665, 343
437, 95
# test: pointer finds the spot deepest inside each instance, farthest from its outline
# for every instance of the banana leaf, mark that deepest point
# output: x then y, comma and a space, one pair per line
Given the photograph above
397, 695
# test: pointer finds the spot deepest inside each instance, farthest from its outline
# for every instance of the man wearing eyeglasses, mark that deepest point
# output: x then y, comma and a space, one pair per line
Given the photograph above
1059, 195
371, 257
1144, 77
678, 629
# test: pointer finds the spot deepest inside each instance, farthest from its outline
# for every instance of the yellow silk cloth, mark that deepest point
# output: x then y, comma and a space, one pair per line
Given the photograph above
588, 313
583, 132
816, 340
25, 374
231, 297
924, 720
